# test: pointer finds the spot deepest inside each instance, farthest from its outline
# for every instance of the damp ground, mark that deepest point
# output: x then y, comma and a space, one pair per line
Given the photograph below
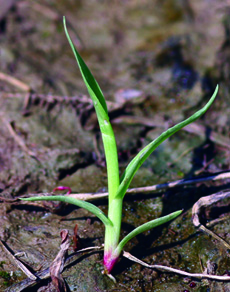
157, 63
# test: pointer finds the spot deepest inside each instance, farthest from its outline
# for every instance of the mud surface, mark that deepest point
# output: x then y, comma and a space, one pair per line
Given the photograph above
157, 62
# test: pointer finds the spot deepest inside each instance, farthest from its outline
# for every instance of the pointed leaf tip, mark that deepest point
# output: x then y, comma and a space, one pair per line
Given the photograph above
90, 82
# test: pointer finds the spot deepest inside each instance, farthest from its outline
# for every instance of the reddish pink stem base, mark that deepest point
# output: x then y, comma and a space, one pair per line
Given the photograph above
109, 262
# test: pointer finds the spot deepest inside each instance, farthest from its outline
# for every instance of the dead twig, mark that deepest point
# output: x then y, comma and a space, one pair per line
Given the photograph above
17, 139
176, 271
205, 202
6, 200
18, 263
15, 82
181, 182
156, 188
45, 274
143, 190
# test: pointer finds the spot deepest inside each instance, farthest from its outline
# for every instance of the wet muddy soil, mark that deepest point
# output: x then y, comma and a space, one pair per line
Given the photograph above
157, 62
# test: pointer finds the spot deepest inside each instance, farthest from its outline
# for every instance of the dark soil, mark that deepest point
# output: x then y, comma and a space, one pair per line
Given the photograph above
157, 62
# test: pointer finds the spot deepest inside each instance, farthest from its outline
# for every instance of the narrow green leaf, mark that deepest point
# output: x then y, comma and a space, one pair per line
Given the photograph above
99, 102
145, 152
82, 204
147, 226
90, 82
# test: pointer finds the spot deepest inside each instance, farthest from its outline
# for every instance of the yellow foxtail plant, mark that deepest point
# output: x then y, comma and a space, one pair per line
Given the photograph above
117, 186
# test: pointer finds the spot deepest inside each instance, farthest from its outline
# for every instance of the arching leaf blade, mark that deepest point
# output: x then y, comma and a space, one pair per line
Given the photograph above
137, 161
147, 226
82, 204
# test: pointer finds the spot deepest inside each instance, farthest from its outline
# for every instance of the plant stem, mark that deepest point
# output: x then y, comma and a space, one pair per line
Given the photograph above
112, 233
111, 157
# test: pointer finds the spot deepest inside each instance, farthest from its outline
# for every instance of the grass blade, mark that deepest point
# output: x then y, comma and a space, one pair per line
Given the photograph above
147, 226
144, 153
91, 84
82, 204
103, 119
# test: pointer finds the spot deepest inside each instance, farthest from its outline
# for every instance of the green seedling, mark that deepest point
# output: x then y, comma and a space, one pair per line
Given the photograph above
117, 186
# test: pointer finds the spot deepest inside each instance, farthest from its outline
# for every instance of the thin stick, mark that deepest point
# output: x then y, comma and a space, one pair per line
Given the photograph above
19, 264
15, 82
18, 140
173, 270
143, 190
205, 202
155, 188
45, 274
181, 182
